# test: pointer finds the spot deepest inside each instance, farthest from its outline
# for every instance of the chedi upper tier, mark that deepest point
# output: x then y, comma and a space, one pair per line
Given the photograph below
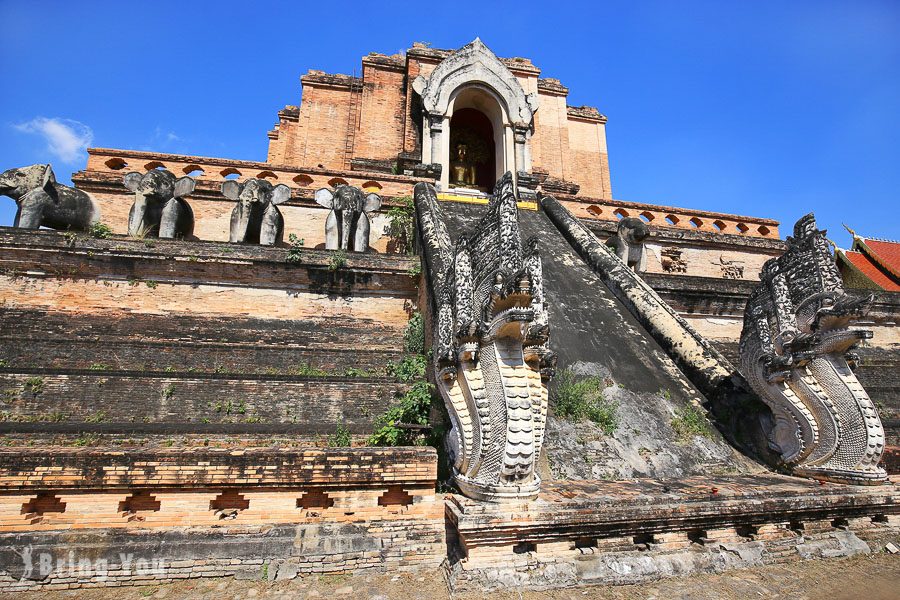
456, 119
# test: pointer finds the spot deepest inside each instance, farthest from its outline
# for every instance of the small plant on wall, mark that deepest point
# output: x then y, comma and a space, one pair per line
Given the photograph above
100, 230
401, 228
341, 438
338, 260
405, 423
581, 399
295, 252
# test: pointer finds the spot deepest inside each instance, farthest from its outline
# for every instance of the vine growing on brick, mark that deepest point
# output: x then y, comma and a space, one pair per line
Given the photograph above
401, 231
405, 423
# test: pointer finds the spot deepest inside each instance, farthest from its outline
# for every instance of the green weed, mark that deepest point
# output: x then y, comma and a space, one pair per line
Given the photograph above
690, 421
100, 230
580, 399
338, 260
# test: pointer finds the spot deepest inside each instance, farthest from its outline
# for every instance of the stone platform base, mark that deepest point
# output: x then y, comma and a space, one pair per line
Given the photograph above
581, 533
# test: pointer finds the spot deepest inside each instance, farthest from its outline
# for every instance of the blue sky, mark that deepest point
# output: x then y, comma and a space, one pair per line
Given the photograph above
763, 108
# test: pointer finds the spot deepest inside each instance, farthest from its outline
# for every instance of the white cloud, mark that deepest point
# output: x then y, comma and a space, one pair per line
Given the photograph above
66, 139
162, 139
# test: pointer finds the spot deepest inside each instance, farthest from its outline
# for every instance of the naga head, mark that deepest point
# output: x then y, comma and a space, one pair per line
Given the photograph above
795, 353
491, 348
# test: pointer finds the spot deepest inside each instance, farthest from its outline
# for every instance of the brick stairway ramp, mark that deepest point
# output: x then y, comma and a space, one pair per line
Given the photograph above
580, 532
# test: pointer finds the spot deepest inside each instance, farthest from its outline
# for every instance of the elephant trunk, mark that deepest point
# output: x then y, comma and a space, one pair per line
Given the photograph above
138, 212
346, 228
243, 222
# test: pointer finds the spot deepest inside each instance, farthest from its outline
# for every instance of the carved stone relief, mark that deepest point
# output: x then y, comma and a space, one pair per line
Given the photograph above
629, 242
42, 202
159, 208
796, 353
348, 223
491, 355
671, 260
731, 269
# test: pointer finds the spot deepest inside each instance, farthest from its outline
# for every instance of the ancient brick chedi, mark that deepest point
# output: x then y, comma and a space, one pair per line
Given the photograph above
416, 109
197, 364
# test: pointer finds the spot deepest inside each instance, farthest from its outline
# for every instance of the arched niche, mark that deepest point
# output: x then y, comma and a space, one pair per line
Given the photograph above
474, 74
478, 108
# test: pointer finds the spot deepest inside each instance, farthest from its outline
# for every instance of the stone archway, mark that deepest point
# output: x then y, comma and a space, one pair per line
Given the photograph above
470, 75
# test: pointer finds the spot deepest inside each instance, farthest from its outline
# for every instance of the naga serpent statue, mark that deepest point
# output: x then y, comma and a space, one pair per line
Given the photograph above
796, 353
491, 355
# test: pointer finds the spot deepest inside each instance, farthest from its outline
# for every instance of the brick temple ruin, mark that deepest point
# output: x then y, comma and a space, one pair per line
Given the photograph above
349, 357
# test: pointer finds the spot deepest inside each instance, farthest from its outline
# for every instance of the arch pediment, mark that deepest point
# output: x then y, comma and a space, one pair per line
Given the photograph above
474, 63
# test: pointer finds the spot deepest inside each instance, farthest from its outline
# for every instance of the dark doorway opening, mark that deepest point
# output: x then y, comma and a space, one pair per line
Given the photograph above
471, 128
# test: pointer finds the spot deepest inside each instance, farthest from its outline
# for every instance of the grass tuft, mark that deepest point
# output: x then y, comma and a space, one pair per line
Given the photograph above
581, 398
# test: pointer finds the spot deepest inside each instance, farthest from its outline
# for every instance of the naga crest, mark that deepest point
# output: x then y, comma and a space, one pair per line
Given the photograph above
491, 356
796, 353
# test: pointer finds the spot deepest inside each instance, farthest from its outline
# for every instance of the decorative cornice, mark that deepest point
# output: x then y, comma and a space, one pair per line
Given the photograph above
394, 61
548, 85
322, 79
668, 209
517, 64
289, 113
586, 113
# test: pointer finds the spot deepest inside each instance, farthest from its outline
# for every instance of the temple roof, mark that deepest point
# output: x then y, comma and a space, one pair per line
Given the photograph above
877, 261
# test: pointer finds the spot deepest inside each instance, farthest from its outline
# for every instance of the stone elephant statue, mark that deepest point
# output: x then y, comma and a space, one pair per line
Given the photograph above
256, 218
347, 225
43, 202
159, 209
629, 242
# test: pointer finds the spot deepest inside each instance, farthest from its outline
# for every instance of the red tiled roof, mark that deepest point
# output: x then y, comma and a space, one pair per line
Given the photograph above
870, 270
886, 253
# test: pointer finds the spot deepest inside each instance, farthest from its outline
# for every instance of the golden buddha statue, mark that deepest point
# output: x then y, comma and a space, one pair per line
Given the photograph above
462, 170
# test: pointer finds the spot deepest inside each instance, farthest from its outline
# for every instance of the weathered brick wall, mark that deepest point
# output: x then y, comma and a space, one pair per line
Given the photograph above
136, 401
115, 557
626, 532
115, 340
597, 211
205, 513
588, 158
689, 253
88, 468
325, 120
380, 125
40, 270
551, 137
128, 335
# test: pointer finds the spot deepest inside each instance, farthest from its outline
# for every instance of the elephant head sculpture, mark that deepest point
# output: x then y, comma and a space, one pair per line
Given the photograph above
256, 218
43, 202
629, 242
159, 209
347, 225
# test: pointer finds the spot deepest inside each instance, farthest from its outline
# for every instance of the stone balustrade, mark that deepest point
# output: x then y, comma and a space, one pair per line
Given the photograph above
668, 216
205, 169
